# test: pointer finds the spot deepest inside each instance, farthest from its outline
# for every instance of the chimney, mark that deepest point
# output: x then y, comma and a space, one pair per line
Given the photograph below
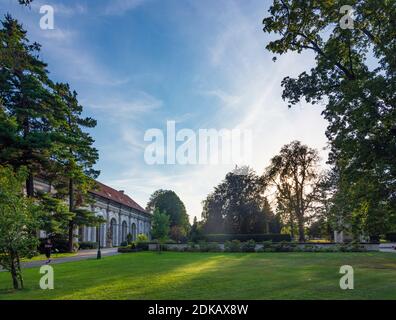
121, 191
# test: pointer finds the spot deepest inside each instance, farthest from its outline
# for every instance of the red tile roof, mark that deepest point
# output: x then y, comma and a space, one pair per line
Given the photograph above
117, 196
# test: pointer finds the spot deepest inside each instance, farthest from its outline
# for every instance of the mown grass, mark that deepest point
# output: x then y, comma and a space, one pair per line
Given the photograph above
171, 275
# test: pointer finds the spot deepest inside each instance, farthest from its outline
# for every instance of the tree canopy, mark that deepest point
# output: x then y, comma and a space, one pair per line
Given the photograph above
238, 205
19, 222
168, 202
354, 79
42, 129
295, 176
25, 2
160, 225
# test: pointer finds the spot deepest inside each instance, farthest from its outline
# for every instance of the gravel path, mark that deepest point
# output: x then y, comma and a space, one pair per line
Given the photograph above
81, 255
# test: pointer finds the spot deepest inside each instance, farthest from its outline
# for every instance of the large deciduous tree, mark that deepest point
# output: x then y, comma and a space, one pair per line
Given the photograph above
354, 78
167, 201
196, 232
19, 220
237, 205
160, 227
294, 175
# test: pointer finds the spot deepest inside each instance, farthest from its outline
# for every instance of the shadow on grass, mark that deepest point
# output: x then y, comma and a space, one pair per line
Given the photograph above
163, 283
214, 276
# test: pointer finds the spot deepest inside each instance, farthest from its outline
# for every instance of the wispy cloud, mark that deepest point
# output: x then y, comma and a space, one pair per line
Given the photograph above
249, 95
124, 108
58, 34
227, 99
61, 8
74, 60
120, 7
238, 85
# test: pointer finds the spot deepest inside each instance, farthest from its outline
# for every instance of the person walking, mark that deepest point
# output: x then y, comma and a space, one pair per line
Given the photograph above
48, 249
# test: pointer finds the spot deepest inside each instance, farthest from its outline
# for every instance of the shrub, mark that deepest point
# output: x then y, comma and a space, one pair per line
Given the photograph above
208, 247
355, 246
213, 247
249, 246
132, 245
297, 249
123, 249
123, 244
59, 245
329, 249
192, 247
283, 246
170, 248
308, 248
142, 245
267, 245
246, 237
142, 237
391, 236
294, 247
127, 249
202, 246
232, 246
375, 239
129, 238
88, 245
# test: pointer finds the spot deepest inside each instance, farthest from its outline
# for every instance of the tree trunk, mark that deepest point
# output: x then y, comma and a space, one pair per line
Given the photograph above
301, 232
30, 186
28, 156
14, 273
71, 208
71, 236
291, 227
19, 272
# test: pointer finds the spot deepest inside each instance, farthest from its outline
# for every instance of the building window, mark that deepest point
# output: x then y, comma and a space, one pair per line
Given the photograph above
124, 231
133, 231
113, 231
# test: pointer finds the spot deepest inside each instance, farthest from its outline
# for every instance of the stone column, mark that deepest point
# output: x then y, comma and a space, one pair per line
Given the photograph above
119, 240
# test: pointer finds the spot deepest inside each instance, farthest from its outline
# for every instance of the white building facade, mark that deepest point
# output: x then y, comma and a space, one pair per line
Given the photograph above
122, 216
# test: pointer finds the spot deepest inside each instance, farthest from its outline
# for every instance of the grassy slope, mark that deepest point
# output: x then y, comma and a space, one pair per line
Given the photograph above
215, 276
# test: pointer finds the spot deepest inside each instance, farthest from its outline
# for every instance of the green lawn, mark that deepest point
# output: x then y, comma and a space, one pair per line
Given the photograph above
171, 275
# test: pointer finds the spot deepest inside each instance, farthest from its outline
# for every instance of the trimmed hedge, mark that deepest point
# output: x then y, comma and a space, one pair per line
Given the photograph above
294, 247
391, 236
209, 247
232, 246
88, 245
58, 245
275, 237
127, 249
267, 246
194, 247
142, 245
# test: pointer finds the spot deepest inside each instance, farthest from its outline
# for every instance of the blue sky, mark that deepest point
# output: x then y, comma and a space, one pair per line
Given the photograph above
138, 63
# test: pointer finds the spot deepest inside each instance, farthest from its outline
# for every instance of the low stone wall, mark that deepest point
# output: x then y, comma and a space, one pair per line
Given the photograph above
182, 246
179, 246
367, 246
389, 245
